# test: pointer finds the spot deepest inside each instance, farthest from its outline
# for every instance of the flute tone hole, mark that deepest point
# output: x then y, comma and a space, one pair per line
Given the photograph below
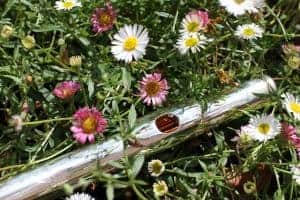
167, 123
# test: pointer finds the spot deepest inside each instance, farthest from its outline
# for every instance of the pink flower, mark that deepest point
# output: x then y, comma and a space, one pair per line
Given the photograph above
290, 134
86, 123
66, 89
195, 21
290, 49
153, 89
103, 19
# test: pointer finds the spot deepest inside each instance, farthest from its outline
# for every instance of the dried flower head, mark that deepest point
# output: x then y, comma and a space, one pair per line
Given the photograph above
156, 167
224, 77
103, 19
28, 42
6, 31
87, 122
66, 89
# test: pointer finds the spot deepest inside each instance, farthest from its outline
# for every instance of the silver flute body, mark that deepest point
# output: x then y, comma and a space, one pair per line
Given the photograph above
70, 167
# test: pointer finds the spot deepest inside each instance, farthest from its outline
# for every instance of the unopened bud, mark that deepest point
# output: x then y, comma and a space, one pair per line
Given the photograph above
294, 62
28, 42
249, 187
16, 121
28, 79
7, 31
61, 42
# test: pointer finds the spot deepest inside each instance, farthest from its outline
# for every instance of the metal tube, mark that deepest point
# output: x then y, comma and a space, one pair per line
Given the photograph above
70, 167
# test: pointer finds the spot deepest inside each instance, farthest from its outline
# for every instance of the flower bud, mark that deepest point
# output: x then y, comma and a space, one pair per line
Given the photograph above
294, 62
28, 42
61, 42
7, 31
249, 187
16, 121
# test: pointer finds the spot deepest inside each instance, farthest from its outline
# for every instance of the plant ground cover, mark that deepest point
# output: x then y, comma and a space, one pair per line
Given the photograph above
41, 46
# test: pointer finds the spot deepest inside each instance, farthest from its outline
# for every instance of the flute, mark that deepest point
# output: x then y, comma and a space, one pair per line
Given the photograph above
70, 167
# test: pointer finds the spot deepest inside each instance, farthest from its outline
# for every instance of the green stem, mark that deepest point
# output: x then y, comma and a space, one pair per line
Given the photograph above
138, 193
46, 121
279, 22
291, 35
53, 155
42, 145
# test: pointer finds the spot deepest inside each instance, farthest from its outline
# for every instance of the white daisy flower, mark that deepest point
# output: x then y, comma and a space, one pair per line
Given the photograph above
160, 188
240, 7
292, 105
130, 43
193, 42
80, 196
156, 167
249, 31
296, 174
67, 4
264, 127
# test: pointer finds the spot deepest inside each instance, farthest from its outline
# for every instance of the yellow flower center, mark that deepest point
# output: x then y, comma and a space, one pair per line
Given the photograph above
264, 128
191, 42
193, 26
89, 125
67, 93
239, 1
152, 88
68, 4
156, 167
249, 32
295, 107
130, 43
160, 188
105, 19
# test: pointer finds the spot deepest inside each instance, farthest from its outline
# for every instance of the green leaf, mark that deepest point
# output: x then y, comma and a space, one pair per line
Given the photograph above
138, 164
84, 41
109, 191
132, 116
126, 78
15, 79
68, 188
164, 14
47, 28
91, 87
